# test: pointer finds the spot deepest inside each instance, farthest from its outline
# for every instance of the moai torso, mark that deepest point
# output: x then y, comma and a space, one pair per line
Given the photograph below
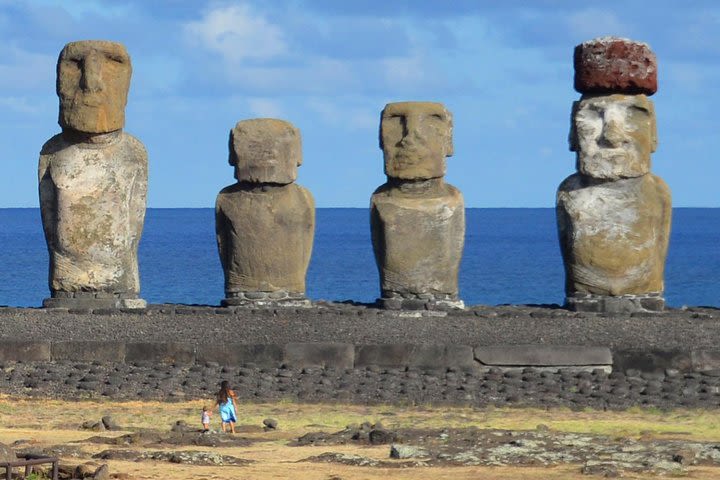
93, 183
265, 224
417, 220
613, 215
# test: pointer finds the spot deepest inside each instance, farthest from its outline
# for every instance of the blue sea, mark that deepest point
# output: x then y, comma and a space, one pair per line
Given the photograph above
511, 256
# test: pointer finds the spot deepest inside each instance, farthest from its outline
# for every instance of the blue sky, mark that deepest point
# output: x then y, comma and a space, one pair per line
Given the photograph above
504, 68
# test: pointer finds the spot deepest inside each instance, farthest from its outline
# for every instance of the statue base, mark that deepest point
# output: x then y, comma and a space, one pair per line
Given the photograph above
419, 303
93, 300
649, 302
266, 300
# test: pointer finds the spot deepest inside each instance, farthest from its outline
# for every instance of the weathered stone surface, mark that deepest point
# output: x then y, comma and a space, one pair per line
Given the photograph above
24, 350
93, 183
652, 360
613, 135
543, 355
238, 354
611, 64
265, 150
170, 352
705, 359
421, 356
264, 224
415, 138
336, 355
93, 78
417, 220
614, 235
7, 454
87, 351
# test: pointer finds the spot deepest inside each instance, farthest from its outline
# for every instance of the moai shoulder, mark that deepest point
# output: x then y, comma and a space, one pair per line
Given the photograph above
93, 183
417, 220
265, 223
613, 214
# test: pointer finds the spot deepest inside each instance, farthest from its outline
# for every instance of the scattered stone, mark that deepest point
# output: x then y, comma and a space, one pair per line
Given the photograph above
407, 451
270, 424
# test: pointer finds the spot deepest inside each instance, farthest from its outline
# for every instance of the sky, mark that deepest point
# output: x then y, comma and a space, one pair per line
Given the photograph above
503, 68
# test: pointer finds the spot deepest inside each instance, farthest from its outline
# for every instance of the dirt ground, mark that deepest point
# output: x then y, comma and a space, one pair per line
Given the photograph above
155, 440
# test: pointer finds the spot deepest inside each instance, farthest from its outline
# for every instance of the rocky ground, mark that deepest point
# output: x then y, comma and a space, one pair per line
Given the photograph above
373, 385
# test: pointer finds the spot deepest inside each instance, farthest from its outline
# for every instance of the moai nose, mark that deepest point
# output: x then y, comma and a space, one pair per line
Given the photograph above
612, 133
412, 132
91, 80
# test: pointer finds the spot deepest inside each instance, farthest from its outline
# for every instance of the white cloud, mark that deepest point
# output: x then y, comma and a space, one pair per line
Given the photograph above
265, 108
237, 33
593, 22
344, 116
20, 105
22, 70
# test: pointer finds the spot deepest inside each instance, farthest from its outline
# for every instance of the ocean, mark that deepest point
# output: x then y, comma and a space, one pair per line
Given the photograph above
511, 256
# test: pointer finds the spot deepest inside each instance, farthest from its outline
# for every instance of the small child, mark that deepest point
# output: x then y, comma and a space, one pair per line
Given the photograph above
205, 418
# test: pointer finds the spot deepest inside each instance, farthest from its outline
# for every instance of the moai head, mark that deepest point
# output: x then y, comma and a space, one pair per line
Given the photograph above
93, 78
613, 128
415, 138
613, 135
265, 150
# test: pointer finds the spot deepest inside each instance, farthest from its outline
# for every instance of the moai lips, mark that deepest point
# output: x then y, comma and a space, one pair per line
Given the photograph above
417, 220
93, 183
265, 223
615, 65
614, 215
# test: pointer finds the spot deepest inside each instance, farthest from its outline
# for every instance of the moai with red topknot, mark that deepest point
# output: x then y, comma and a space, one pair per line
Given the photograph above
613, 214
265, 223
417, 220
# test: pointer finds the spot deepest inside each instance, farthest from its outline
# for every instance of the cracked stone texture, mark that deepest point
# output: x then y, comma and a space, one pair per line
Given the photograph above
417, 220
265, 224
615, 65
93, 177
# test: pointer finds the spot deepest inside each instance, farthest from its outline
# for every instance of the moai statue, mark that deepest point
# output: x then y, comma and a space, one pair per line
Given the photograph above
613, 214
265, 223
93, 183
417, 220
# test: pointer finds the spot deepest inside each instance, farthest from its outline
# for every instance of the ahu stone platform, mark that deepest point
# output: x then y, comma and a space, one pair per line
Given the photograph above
351, 336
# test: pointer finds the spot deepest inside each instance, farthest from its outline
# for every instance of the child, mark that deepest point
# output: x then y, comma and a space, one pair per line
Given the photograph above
205, 418
226, 403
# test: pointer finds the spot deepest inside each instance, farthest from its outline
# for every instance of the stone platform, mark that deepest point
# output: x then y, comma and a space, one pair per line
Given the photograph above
346, 336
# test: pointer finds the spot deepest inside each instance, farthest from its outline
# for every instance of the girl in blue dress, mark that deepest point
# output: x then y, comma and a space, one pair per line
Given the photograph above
226, 403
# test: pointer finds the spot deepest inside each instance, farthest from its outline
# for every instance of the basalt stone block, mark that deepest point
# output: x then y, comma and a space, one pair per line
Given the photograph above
705, 360
93, 183
88, 351
652, 360
417, 220
269, 356
336, 355
614, 235
543, 355
25, 351
264, 223
612, 64
157, 352
421, 356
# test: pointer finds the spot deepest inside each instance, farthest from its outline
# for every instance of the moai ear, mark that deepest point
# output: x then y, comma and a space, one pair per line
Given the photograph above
572, 136
380, 127
449, 149
296, 134
232, 157
653, 127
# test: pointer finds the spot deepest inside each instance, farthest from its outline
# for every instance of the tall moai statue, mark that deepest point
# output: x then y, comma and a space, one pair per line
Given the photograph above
613, 214
417, 220
93, 183
265, 223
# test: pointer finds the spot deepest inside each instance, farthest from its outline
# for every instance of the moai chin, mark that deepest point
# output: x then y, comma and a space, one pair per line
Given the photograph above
93, 183
265, 223
417, 220
613, 214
